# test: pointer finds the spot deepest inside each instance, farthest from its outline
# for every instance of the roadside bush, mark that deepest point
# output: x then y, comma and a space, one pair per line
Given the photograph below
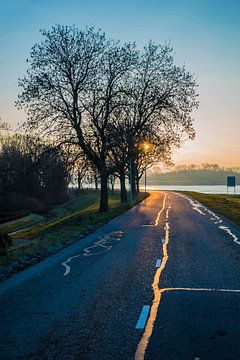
19, 201
5, 243
9, 215
33, 175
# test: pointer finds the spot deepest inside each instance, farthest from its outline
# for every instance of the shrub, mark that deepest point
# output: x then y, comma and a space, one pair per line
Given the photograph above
5, 243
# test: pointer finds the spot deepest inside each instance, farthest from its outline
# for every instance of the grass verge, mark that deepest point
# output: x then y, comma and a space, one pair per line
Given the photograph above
226, 205
9, 215
76, 218
17, 224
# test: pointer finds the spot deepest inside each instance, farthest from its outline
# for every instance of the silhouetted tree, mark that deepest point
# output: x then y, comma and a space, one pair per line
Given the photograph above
85, 90
4, 126
156, 107
33, 174
71, 88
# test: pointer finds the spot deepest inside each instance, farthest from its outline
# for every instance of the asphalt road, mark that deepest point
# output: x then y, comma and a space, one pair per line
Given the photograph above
162, 281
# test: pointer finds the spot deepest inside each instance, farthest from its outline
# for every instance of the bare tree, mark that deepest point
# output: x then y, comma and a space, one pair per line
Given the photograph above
103, 98
162, 99
61, 68
157, 104
4, 127
71, 88
86, 91
153, 151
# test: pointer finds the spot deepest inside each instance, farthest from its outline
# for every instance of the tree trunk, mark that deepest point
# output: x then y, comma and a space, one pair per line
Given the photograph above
123, 188
104, 191
137, 179
96, 182
133, 179
137, 184
113, 183
79, 180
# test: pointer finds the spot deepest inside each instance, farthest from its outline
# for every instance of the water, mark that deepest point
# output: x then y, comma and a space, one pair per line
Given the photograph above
206, 189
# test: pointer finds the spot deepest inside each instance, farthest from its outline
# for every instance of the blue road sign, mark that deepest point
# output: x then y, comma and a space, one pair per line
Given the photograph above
231, 181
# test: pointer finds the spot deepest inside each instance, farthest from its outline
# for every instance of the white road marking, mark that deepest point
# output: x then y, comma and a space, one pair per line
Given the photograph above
158, 263
68, 268
197, 209
115, 235
195, 204
215, 218
103, 243
142, 345
143, 317
229, 232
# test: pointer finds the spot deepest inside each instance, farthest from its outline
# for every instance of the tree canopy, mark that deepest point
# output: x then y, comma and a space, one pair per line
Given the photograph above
85, 90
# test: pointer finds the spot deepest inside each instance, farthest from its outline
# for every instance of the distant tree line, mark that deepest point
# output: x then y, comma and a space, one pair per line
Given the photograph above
204, 174
34, 175
103, 102
205, 166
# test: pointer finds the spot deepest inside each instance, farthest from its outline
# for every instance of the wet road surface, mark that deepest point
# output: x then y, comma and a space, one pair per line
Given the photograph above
162, 281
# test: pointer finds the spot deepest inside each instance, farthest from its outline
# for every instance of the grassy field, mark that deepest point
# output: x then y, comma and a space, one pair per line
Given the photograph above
70, 221
226, 205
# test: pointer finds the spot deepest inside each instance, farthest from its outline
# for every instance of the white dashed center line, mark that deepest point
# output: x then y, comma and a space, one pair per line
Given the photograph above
158, 263
143, 317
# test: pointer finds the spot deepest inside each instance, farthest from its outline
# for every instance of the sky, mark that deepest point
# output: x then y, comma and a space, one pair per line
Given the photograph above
205, 36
